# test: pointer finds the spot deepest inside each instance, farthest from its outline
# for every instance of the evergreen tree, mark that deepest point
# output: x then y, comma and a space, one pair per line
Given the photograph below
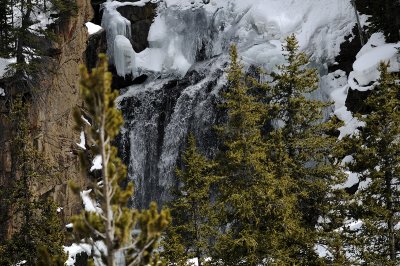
257, 210
6, 28
305, 146
192, 211
114, 224
22, 34
376, 159
39, 224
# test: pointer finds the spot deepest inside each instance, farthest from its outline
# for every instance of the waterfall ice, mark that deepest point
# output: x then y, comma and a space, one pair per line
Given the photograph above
114, 24
183, 32
124, 56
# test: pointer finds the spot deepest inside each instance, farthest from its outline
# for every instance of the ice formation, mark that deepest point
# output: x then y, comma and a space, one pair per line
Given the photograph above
114, 24
124, 56
184, 28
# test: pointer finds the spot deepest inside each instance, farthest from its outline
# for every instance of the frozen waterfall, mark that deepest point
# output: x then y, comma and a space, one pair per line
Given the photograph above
185, 62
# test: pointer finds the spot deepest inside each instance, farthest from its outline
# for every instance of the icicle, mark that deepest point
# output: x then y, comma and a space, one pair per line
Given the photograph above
124, 56
114, 24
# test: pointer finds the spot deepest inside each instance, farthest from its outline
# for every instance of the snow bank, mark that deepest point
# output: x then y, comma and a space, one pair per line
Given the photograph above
2, 92
97, 248
335, 84
365, 69
93, 28
366, 66
376, 39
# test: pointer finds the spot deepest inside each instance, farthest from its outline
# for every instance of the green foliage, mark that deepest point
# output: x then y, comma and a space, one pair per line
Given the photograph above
22, 35
258, 208
115, 223
304, 145
65, 8
39, 224
193, 214
375, 150
6, 29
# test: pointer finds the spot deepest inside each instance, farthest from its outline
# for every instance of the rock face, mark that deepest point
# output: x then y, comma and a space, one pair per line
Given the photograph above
51, 115
55, 114
141, 19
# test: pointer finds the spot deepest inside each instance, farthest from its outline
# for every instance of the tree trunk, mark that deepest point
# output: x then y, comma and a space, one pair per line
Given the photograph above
390, 222
360, 30
109, 223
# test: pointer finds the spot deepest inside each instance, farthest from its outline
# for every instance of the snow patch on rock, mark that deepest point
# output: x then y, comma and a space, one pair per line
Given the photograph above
365, 69
93, 28
89, 204
82, 143
96, 164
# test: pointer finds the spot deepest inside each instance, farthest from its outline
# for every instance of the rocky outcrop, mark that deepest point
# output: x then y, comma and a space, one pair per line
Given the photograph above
51, 121
54, 115
141, 19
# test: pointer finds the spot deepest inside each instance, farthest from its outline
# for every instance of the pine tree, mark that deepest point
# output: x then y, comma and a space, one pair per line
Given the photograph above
39, 224
114, 224
301, 135
257, 210
6, 28
22, 34
376, 159
193, 214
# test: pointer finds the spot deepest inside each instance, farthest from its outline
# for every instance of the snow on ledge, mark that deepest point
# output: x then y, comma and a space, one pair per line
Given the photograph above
74, 250
365, 69
93, 28
89, 204
83, 141
97, 163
